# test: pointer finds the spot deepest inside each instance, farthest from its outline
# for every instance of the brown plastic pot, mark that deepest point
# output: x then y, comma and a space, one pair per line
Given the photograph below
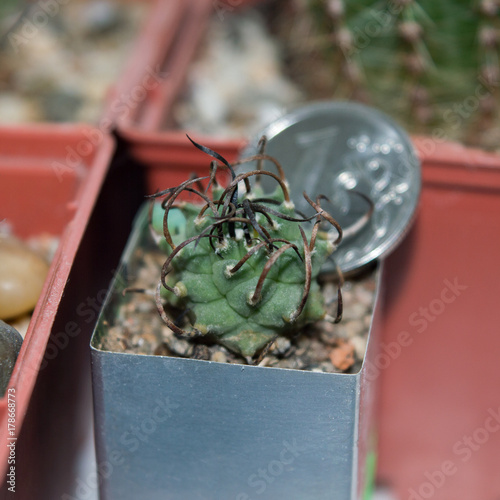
440, 399
50, 179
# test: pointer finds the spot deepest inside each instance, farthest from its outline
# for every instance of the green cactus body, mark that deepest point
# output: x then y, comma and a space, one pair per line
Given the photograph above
222, 303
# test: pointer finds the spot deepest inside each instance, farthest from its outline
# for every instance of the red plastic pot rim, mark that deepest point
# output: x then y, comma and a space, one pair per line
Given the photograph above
174, 148
455, 165
443, 162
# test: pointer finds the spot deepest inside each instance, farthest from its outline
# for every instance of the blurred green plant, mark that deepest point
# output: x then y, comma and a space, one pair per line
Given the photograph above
434, 66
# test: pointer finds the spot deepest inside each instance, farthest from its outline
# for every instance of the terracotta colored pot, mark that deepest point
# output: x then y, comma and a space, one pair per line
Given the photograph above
168, 158
50, 180
440, 401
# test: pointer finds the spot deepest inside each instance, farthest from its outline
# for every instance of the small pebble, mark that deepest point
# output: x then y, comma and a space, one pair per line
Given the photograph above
10, 345
146, 306
281, 346
370, 284
364, 296
294, 363
22, 275
342, 356
166, 333
201, 351
181, 347
354, 328
367, 321
327, 367
145, 341
114, 341
219, 357
347, 297
345, 330
317, 351
330, 292
354, 311
137, 340
162, 350
329, 333
359, 344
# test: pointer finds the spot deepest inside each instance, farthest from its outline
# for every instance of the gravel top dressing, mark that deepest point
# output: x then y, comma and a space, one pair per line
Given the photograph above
137, 327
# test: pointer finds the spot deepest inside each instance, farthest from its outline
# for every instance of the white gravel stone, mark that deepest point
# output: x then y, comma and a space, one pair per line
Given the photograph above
219, 357
359, 344
363, 295
354, 311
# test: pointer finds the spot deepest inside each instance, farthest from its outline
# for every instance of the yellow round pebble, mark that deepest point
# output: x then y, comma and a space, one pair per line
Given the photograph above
22, 275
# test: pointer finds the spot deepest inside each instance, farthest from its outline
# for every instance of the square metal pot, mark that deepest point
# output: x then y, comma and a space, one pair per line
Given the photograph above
173, 428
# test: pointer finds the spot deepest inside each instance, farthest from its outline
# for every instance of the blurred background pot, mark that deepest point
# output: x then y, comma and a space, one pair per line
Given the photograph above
439, 407
157, 67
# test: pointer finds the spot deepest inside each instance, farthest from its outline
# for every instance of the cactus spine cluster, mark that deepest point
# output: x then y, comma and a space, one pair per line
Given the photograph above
243, 263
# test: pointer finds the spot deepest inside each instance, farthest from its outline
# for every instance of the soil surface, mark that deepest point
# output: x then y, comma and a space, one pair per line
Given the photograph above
325, 347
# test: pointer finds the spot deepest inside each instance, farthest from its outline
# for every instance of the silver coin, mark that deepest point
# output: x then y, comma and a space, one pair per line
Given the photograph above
345, 150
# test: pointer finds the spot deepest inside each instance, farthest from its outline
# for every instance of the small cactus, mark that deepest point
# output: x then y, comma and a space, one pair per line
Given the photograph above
244, 263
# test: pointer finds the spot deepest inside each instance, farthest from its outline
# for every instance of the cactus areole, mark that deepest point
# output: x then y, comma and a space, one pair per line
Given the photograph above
241, 262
